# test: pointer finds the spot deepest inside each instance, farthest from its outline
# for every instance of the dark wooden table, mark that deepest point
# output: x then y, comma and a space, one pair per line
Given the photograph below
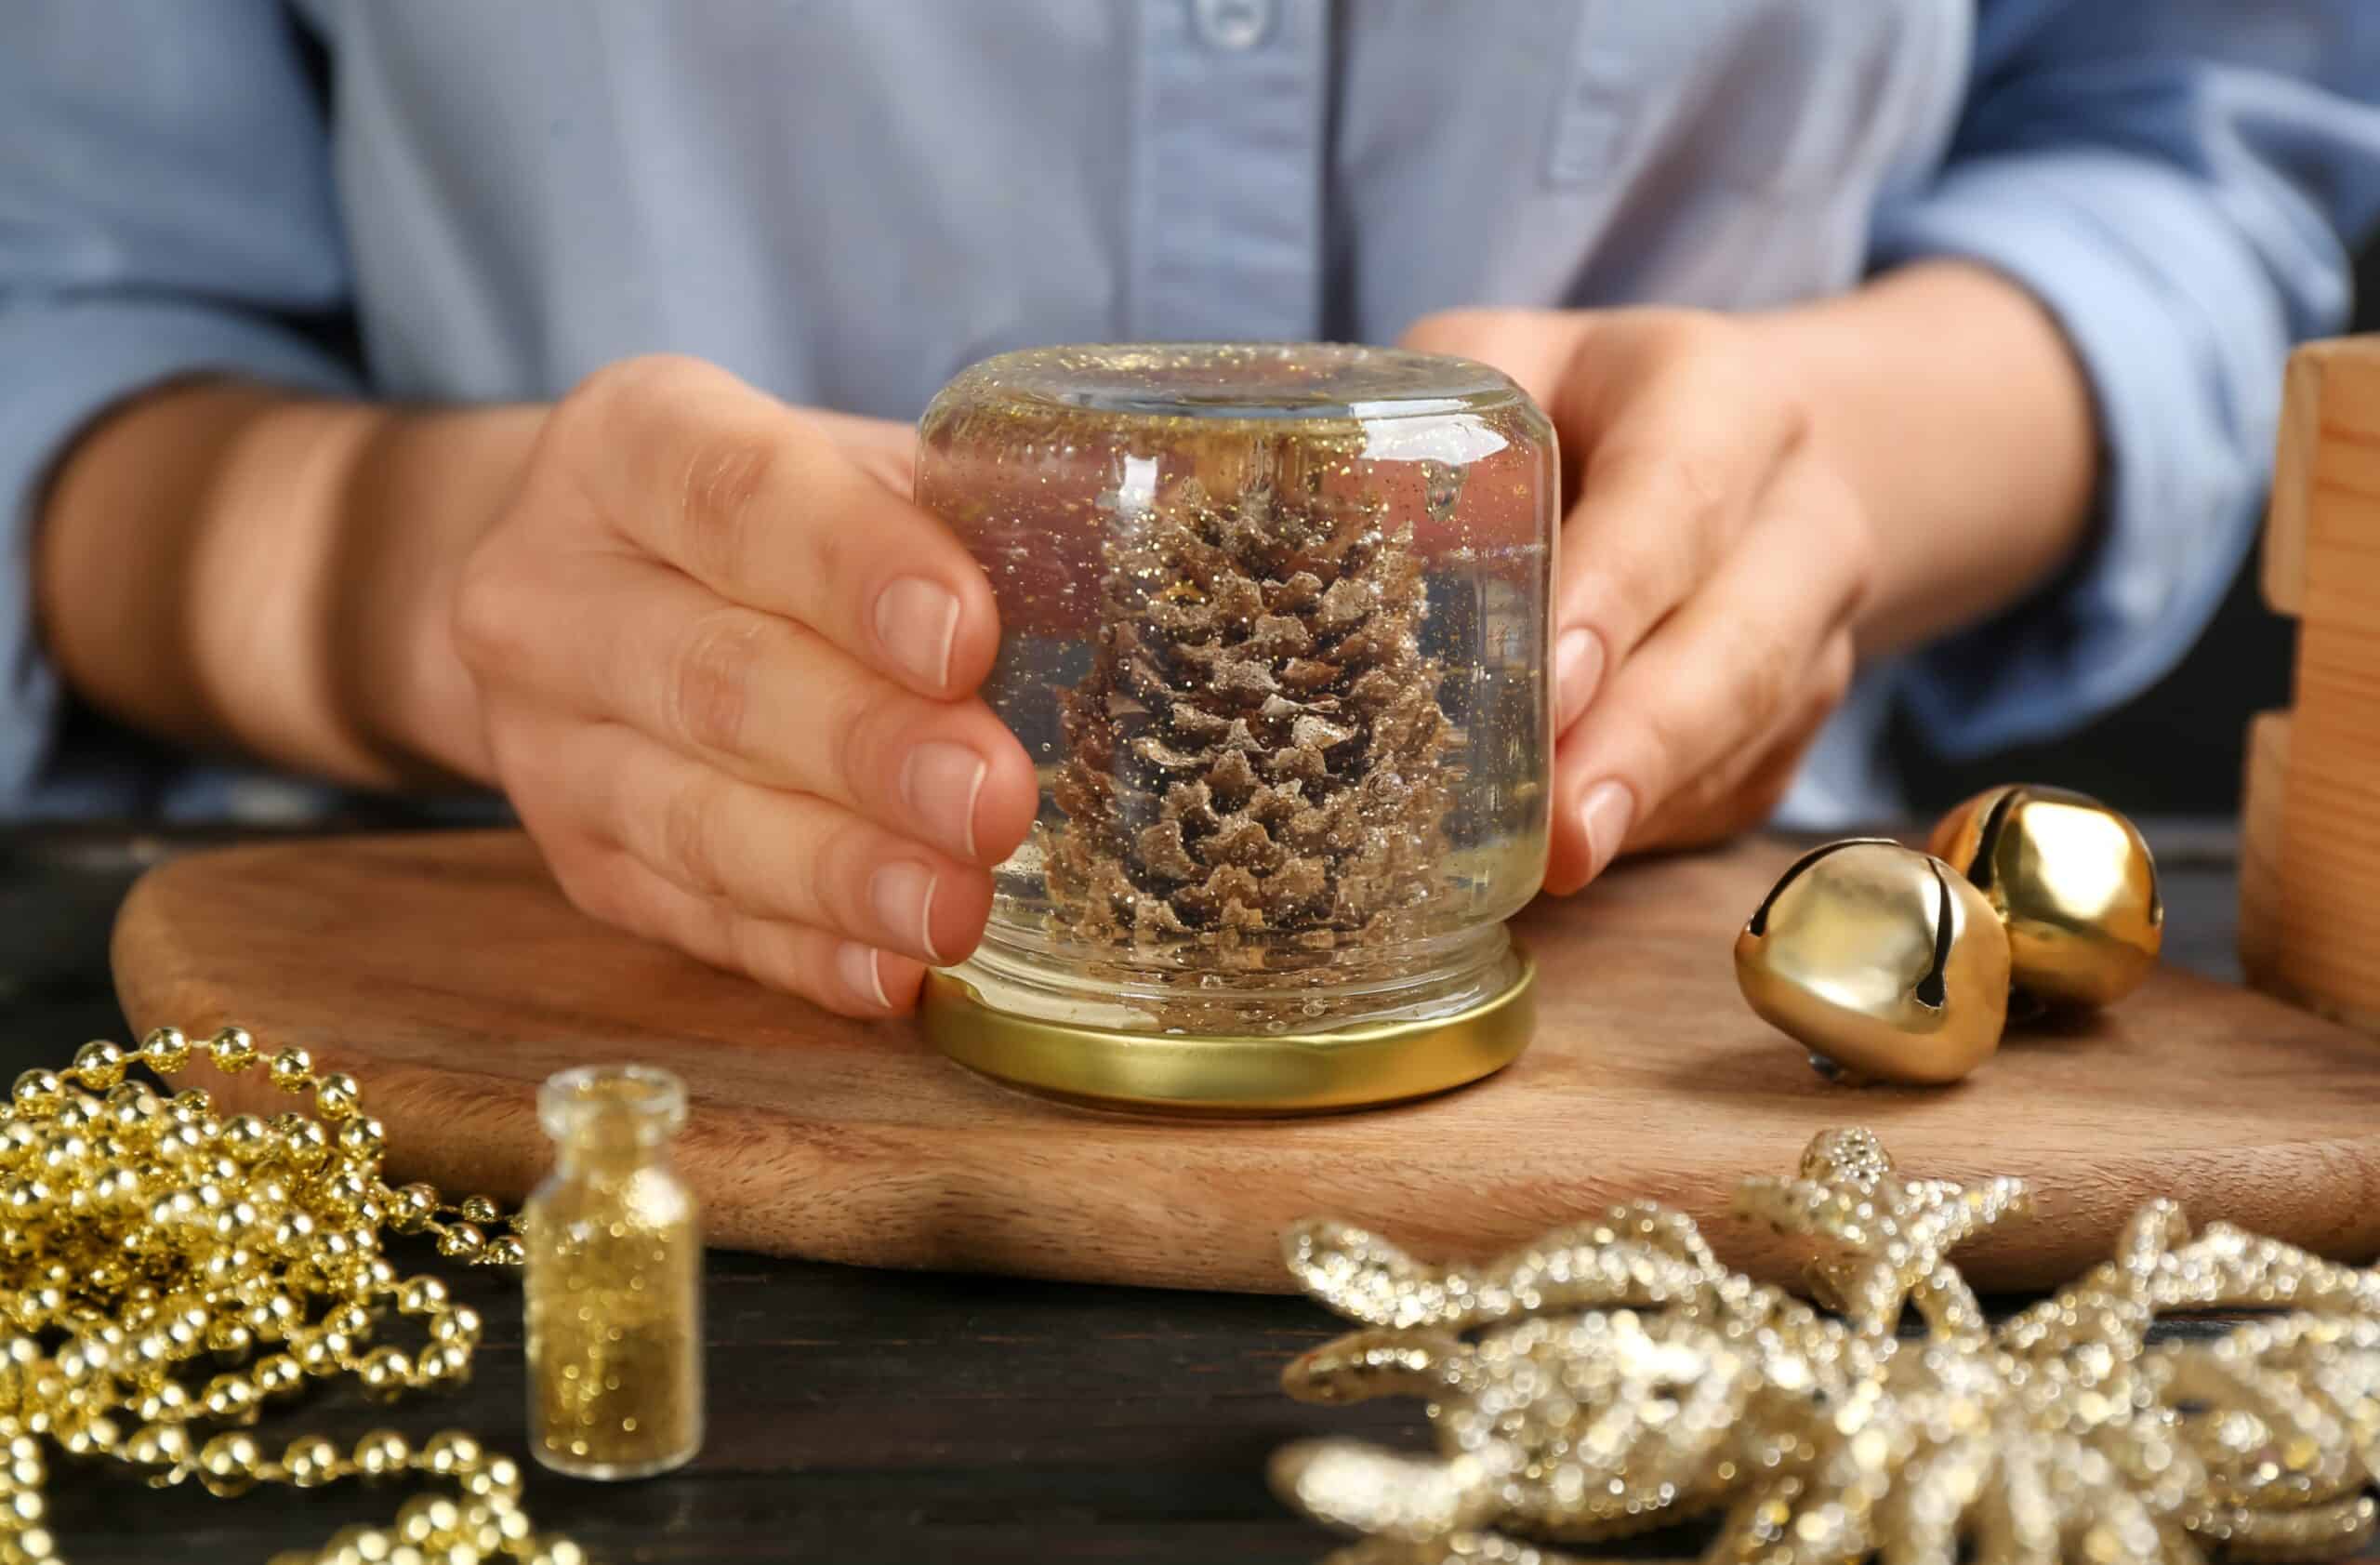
853, 1415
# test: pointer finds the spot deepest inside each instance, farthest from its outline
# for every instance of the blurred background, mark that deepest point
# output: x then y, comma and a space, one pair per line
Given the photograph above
2177, 748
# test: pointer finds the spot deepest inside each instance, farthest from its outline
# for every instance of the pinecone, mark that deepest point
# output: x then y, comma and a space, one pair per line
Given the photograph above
1254, 764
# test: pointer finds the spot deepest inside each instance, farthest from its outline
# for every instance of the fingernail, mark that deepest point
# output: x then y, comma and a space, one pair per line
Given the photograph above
902, 896
940, 782
1604, 815
917, 621
857, 965
1578, 667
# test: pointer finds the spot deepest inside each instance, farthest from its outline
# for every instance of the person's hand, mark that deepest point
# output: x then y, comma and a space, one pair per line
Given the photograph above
1712, 560
725, 671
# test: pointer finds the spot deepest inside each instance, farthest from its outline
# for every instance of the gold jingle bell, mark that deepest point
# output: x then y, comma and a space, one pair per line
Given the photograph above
2072, 882
1882, 960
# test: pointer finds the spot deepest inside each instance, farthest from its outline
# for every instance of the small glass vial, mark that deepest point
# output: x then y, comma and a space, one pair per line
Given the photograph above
1274, 629
613, 1282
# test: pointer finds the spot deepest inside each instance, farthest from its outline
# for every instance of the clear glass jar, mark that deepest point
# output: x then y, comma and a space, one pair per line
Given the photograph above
612, 1280
1274, 634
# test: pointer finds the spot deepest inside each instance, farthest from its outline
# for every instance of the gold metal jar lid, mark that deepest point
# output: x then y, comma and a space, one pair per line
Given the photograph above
1354, 1067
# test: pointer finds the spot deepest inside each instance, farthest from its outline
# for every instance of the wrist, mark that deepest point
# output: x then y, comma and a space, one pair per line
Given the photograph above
1950, 401
232, 567
418, 495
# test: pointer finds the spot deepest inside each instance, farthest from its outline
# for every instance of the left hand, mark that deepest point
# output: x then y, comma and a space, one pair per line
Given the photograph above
1712, 558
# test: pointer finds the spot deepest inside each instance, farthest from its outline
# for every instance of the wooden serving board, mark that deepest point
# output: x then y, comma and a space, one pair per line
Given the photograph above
447, 974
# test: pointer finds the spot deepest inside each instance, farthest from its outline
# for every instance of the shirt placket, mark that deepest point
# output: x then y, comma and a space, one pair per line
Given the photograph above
1228, 158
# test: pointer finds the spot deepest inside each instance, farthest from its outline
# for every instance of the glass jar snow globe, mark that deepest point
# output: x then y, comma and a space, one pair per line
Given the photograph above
1274, 630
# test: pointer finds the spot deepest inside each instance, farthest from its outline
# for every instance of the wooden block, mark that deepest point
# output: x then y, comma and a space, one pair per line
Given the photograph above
2262, 798
2329, 885
2263, 931
2316, 915
2325, 469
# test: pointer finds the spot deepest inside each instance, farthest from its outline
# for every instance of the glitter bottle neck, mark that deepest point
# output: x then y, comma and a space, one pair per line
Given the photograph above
608, 1121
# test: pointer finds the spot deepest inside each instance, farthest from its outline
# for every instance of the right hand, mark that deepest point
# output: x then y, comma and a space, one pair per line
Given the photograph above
726, 671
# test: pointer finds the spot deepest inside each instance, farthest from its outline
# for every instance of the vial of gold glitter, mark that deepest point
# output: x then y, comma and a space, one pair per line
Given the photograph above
613, 1281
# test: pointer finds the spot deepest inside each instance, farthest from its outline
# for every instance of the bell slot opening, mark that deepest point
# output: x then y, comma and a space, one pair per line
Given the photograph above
1932, 989
1987, 841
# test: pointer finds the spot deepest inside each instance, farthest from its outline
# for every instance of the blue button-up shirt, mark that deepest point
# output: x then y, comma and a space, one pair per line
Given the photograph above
845, 200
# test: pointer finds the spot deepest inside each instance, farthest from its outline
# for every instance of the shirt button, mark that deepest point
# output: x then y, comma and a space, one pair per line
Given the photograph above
1234, 24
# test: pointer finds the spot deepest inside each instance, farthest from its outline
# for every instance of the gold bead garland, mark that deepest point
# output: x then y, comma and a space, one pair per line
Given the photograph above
148, 1232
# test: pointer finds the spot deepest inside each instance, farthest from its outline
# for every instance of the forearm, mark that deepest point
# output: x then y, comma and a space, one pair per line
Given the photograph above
239, 569
1953, 404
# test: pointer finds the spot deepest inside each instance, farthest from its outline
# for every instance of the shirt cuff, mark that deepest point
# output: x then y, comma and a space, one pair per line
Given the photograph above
2178, 331
68, 362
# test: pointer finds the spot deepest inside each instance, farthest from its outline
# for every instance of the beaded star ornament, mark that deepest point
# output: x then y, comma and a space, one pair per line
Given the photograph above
1613, 1377
147, 1237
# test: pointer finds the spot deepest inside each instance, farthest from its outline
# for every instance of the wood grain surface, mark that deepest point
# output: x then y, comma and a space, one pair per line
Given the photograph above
450, 977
